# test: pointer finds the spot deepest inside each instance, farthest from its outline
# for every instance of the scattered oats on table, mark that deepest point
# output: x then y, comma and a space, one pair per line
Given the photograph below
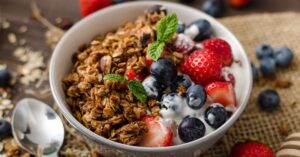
12, 38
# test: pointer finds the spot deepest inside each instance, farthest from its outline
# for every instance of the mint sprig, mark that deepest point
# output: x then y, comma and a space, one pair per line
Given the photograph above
166, 27
114, 77
134, 86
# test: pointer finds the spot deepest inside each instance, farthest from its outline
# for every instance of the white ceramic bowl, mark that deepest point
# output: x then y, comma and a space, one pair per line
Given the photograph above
109, 19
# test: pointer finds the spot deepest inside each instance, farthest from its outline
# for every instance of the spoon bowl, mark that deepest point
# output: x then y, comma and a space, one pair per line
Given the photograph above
37, 128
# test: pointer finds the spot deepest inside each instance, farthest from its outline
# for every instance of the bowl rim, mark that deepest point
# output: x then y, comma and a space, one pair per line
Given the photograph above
97, 138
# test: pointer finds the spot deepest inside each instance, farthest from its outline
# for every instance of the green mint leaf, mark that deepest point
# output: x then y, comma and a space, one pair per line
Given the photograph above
114, 77
155, 49
137, 90
166, 27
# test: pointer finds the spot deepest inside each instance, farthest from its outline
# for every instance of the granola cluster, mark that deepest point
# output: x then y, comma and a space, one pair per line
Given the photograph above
107, 107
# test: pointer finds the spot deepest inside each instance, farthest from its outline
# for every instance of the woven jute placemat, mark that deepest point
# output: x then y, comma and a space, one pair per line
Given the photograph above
277, 29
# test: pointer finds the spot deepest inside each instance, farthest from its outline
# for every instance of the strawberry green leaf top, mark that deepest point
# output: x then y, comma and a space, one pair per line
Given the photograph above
166, 27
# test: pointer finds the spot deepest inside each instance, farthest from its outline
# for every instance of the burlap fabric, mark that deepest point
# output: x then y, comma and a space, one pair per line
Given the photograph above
276, 29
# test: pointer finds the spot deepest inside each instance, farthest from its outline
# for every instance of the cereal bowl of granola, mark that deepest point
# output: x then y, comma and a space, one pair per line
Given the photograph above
150, 79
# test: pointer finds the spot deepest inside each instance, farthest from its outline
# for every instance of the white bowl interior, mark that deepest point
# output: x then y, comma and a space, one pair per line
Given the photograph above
107, 20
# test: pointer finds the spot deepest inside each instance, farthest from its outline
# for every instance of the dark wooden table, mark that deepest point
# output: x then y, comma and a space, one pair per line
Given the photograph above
17, 12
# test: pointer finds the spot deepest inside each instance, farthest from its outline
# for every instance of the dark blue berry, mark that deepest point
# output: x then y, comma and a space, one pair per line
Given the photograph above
268, 67
199, 30
5, 129
268, 100
213, 7
191, 129
153, 87
181, 81
172, 101
254, 72
264, 50
215, 115
196, 97
5, 78
164, 70
283, 57
180, 27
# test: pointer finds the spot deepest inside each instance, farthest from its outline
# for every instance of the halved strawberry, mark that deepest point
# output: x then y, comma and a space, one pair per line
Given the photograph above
158, 135
221, 92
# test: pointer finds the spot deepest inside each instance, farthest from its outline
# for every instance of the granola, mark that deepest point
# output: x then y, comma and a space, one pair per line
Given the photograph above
106, 107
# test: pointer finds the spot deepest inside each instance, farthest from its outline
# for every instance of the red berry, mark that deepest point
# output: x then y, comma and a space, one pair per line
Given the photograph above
184, 43
221, 48
89, 6
239, 3
149, 62
203, 66
251, 149
158, 135
131, 74
221, 92
228, 76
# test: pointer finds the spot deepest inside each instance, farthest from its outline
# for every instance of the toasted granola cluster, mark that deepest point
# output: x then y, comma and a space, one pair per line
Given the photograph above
107, 107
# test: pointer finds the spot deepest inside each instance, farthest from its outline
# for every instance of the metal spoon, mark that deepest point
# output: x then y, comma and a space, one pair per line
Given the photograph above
37, 128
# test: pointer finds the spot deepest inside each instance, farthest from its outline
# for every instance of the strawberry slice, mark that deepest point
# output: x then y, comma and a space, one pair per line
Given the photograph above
221, 92
158, 135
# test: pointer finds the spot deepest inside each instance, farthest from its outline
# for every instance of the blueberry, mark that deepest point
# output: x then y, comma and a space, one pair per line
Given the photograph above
157, 9
283, 57
215, 115
5, 129
164, 70
180, 27
199, 30
268, 100
254, 72
268, 67
5, 78
172, 101
196, 97
153, 87
191, 129
181, 81
213, 7
264, 50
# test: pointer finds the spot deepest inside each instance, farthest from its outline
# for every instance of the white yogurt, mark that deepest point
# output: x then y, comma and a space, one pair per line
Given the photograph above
173, 117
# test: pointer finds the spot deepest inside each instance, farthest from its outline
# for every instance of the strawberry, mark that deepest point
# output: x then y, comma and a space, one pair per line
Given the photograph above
239, 3
203, 66
251, 149
221, 48
228, 76
158, 135
131, 74
221, 92
89, 6
149, 62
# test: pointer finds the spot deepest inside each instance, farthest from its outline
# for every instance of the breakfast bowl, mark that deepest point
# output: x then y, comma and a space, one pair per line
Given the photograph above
108, 20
